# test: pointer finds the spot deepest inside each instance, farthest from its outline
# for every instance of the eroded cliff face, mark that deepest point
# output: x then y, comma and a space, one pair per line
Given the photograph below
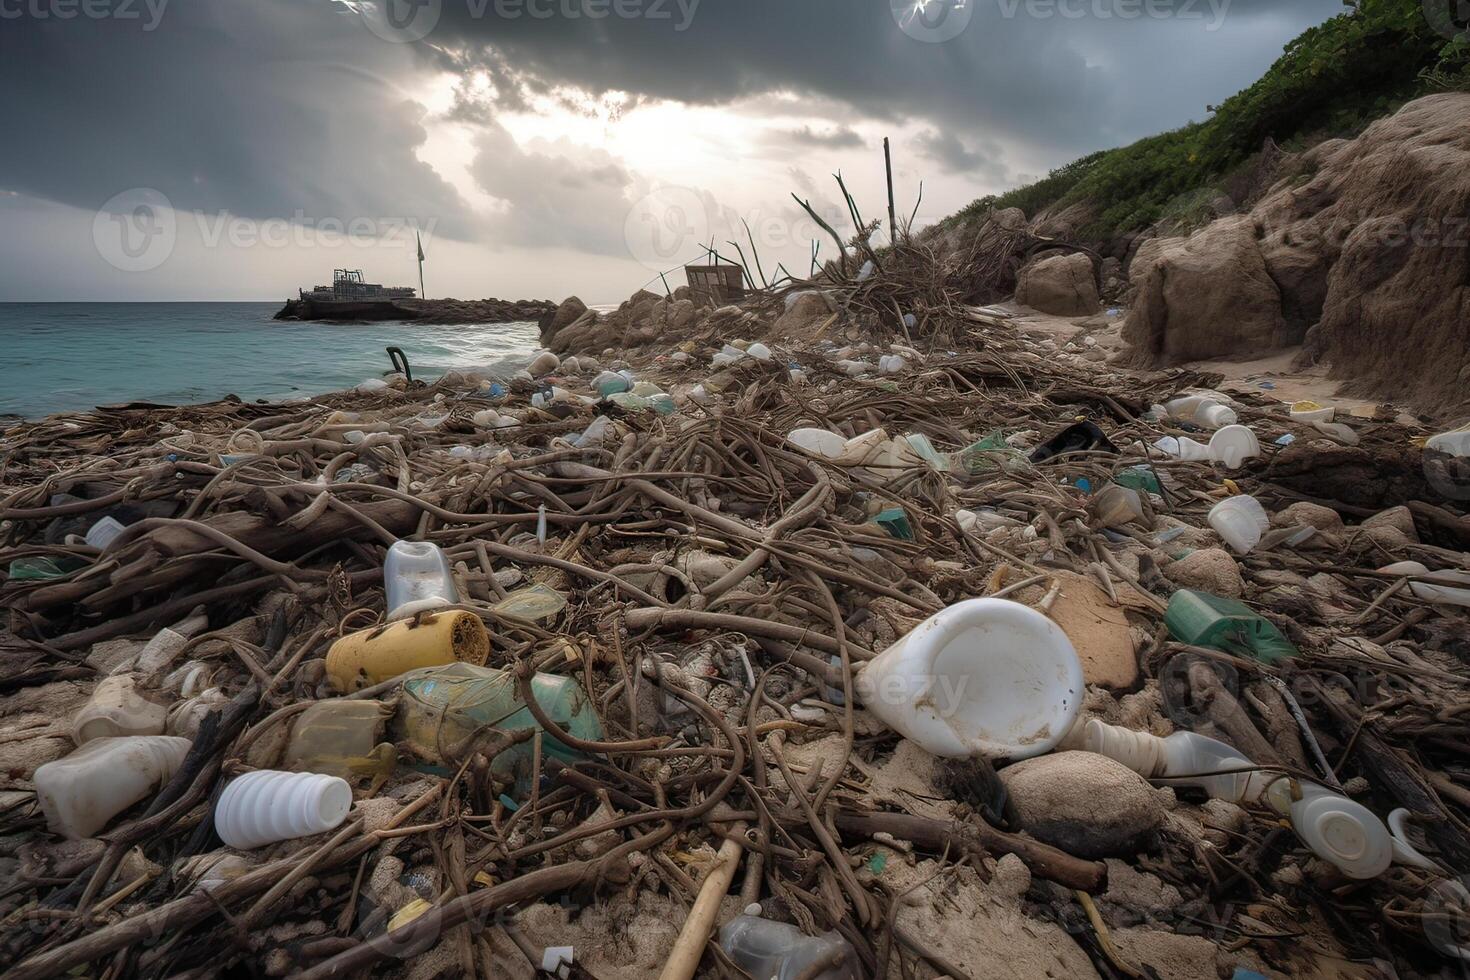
1366, 263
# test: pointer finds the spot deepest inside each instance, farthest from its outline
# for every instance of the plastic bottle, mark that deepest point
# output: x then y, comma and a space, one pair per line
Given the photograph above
1212, 415
185, 717
769, 950
416, 577
1204, 620
890, 364
266, 806
1336, 828
1114, 506
341, 737
983, 677
371, 656
444, 710
1184, 448
1241, 521
82, 792
1456, 443
1337, 432
1444, 595
759, 351
116, 709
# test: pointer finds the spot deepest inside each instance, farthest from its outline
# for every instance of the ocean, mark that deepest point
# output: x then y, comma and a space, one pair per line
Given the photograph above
61, 357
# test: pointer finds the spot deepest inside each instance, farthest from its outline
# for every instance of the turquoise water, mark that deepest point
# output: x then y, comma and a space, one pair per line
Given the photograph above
60, 357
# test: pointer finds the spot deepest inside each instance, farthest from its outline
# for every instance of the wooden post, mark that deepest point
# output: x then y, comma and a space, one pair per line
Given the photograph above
892, 219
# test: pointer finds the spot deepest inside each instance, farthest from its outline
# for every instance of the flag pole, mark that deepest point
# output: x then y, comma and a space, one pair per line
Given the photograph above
423, 294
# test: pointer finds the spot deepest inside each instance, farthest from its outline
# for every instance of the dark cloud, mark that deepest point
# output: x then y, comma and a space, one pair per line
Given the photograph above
954, 157
835, 138
263, 109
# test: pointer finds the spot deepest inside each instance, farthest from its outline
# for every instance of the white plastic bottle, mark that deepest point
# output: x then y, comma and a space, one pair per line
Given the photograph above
266, 806
1337, 829
116, 709
1241, 521
1439, 594
983, 677
416, 577
82, 792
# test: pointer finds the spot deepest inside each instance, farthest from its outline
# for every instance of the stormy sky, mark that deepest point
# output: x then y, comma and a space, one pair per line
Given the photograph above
238, 149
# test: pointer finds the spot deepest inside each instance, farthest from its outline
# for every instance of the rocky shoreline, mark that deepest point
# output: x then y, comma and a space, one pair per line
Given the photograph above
439, 312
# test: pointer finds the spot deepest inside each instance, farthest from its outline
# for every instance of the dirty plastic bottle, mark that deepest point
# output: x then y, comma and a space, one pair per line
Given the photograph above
442, 709
983, 677
416, 577
1115, 506
81, 793
769, 950
266, 806
1440, 594
340, 737
374, 655
1204, 620
1184, 448
116, 709
818, 442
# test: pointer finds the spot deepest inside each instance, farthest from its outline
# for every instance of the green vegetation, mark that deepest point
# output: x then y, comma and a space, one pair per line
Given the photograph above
1331, 81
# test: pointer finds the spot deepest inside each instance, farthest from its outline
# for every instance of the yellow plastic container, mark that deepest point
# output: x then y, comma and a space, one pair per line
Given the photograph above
369, 657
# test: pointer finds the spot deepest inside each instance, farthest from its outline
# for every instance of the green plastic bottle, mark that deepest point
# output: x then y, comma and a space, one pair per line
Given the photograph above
444, 710
1204, 620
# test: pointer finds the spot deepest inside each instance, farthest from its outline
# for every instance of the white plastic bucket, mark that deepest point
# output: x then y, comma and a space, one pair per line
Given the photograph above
984, 677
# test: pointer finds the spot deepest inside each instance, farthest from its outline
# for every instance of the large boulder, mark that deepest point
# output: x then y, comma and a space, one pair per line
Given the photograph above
566, 314
1208, 295
1359, 253
1062, 285
1084, 803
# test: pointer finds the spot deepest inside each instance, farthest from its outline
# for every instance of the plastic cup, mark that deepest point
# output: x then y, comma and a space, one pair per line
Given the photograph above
1241, 521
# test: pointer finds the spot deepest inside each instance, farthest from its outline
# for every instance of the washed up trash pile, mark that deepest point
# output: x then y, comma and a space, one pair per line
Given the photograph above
840, 661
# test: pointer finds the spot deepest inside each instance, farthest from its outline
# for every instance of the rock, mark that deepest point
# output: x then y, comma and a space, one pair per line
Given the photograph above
1063, 285
1312, 515
1084, 803
543, 364
1207, 295
1211, 570
806, 315
570, 310
1400, 519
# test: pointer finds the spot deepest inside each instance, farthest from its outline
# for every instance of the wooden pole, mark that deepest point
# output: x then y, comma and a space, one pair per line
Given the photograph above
892, 218
684, 957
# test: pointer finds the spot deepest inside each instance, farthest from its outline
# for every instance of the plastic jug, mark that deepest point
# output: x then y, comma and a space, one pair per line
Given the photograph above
1233, 445
416, 577
1205, 620
103, 533
341, 738
983, 677
1241, 521
116, 709
444, 709
266, 806
371, 656
82, 792
769, 950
